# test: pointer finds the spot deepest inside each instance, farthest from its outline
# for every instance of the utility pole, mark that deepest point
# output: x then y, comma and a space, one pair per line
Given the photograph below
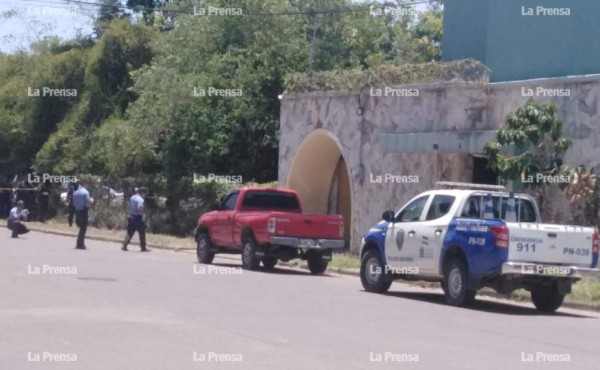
313, 43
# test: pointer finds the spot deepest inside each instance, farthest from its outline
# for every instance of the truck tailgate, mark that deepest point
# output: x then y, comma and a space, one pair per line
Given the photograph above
309, 226
551, 244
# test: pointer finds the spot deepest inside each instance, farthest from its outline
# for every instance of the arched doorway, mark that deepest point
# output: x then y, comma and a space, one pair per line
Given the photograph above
320, 176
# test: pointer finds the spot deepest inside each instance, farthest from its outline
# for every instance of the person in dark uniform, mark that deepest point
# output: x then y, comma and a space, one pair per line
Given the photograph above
82, 202
135, 221
72, 189
43, 198
5, 195
15, 220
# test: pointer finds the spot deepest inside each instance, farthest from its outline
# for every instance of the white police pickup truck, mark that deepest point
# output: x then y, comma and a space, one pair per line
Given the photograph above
473, 236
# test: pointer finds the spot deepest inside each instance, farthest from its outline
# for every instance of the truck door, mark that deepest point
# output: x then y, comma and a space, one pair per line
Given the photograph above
223, 230
433, 231
401, 239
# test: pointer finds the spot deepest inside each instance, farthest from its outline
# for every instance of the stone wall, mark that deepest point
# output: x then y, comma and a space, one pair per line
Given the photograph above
442, 108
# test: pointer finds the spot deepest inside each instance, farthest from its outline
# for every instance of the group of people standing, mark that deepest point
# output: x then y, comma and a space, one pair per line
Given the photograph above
79, 202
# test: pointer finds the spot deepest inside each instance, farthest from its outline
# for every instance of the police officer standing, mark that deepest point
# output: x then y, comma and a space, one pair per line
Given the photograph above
135, 221
82, 202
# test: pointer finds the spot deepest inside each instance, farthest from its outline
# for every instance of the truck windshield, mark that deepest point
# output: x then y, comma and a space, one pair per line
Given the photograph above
270, 200
475, 208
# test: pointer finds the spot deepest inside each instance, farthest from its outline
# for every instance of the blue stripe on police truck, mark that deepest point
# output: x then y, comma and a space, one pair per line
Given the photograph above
376, 235
474, 238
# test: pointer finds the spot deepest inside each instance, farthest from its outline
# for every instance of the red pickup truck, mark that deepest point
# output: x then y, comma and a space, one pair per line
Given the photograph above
266, 225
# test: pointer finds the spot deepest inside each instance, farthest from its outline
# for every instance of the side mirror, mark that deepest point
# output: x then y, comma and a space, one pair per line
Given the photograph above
388, 216
215, 207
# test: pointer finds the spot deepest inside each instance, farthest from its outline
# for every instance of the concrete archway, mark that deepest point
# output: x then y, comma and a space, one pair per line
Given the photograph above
320, 176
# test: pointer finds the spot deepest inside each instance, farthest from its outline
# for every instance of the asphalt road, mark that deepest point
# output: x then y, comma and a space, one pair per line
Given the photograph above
105, 309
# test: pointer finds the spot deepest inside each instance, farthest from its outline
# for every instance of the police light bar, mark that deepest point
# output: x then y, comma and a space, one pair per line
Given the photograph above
466, 185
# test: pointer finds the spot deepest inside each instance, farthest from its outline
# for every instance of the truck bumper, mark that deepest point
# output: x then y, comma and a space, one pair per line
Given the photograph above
535, 269
302, 243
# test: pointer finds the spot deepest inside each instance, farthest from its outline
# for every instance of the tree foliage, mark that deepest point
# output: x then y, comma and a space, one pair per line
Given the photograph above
529, 144
137, 112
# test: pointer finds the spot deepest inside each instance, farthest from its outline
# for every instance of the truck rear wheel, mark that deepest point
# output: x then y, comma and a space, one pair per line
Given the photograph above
249, 259
372, 274
455, 284
203, 247
269, 262
316, 264
546, 298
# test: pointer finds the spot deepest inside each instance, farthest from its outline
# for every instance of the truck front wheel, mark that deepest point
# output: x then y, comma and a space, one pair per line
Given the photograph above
546, 298
372, 275
203, 247
249, 259
455, 284
316, 264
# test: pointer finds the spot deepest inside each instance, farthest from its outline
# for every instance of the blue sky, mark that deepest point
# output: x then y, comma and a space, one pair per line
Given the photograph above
38, 18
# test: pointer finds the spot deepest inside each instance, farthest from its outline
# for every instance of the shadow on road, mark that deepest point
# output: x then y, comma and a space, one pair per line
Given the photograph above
483, 305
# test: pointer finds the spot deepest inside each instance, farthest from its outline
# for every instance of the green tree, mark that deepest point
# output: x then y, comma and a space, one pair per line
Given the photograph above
534, 136
108, 10
530, 145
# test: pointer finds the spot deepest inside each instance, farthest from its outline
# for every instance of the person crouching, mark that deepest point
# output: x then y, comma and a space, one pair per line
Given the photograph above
15, 220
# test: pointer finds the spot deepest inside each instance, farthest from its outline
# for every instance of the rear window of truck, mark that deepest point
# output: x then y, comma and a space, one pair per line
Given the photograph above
270, 200
475, 208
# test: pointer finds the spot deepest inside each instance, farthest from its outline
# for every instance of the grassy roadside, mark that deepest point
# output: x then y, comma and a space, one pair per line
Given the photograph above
339, 260
152, 239
585, 291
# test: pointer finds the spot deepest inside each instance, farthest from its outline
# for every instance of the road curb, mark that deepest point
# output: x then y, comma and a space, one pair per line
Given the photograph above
337, 270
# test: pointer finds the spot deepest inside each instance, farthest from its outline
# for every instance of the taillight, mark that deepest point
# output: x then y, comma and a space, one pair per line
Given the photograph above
500, 236
595, 242
342, 229
271, 225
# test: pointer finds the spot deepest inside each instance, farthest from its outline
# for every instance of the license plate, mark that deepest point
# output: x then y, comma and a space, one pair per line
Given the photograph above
308, 243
